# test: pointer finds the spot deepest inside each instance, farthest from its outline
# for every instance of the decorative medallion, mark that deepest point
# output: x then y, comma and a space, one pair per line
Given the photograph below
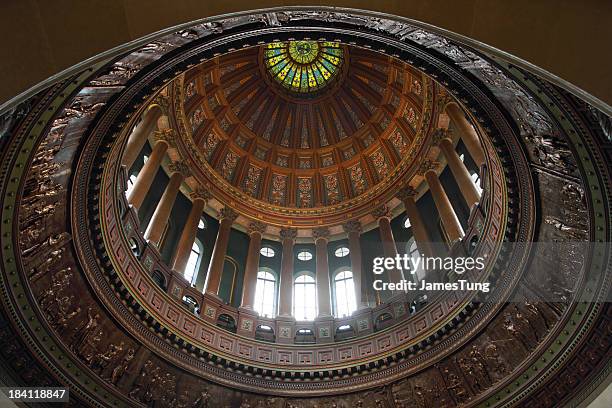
251, 182
279, 188
380, 163
190, 90
399, 141
331, 188
357, 179
304, 192
197, 117
229, 165
282, 160
211, 142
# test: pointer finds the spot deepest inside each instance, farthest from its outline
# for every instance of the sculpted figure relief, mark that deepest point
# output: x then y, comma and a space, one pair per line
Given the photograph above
120, 369
202, 400
87, 329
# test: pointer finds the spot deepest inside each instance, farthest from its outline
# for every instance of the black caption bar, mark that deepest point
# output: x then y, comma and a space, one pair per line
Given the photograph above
36, 394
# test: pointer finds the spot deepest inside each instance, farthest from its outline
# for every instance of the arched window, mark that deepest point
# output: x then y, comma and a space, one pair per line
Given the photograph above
193, 263
304, 298
265, 294
344, 290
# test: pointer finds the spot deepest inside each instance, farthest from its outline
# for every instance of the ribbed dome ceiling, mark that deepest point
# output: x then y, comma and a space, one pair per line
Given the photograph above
289, 151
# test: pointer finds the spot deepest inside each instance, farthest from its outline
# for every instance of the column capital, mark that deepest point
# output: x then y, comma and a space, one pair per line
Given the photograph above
382, 212
165, 135
200, 194
352, 226
288, 233
442, 134
163, 101
443, 100
179, 167
407, 193
227, 213
427, 165
256, 227
320, 233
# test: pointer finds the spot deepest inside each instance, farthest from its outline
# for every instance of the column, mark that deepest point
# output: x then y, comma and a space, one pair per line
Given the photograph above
383, 216
449, 218
417, 226
321, 236
353, 229
227, 216
460, 172
199, 198
155, 229
467, 132
149, 169
139, 135
255, 230
285, 309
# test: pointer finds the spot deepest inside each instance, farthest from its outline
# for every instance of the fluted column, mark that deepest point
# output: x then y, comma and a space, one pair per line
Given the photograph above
139, 135
321, 236
155, 229
227, 216
457, 167
467, 133
183, 249
383, 217
449, 218
285, 309
353, 229
147, 174
417, 226
255, 230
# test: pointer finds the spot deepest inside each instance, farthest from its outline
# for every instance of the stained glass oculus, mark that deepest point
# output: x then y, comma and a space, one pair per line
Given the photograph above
303, 66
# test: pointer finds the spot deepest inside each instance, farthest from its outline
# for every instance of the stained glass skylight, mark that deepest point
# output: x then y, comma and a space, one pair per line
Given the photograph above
303, 66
